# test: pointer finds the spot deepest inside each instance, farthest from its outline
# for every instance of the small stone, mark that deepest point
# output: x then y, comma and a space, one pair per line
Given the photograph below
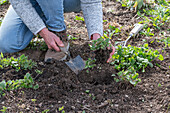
126, 96
40, 105
22, 106
27, 108
73, 107
41, 63
116, 105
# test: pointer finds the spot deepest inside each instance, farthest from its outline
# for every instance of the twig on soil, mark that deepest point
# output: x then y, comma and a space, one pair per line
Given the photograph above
103, 104
134, 17
84, 107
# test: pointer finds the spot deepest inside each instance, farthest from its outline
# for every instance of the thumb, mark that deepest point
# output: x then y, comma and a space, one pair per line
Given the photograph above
111, 54
59, 42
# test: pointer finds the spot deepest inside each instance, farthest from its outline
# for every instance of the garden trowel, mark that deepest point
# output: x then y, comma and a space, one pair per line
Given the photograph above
133, 32
75, 64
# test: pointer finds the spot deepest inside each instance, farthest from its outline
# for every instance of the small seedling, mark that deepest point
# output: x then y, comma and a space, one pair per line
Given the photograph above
19, 63
87, 91
129, 60
46, 111
39, 72
72, 38
100, 43
159, 85
3, 1
34, 100
90, 63
62, 109
27, 82
3, 109
161, 58
79, 18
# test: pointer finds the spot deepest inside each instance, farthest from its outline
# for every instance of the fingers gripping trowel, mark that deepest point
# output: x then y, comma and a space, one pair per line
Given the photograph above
77, 64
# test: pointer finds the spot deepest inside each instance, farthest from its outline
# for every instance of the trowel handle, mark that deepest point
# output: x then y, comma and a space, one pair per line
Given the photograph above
136, 29
63, 49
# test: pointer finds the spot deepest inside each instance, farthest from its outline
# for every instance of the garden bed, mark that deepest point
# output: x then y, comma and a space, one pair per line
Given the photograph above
96, 90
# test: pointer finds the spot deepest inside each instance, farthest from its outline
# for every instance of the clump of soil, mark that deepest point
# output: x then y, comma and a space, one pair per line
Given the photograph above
102, 56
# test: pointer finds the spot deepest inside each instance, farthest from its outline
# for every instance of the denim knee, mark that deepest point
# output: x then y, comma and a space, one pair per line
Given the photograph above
5, 47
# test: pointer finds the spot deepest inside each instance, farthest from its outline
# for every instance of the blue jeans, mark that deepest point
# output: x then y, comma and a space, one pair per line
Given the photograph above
14, 34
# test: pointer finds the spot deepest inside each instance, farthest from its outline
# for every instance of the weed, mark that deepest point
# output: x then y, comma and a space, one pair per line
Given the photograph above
168, 108
90, 63
159, 85
39, 72
3, 109
157, 16
79, 18
62, 109
46, 111
112, 31
27, 82
3, 1
147, 32
38, 42
72, 38
87, 91
166, 41
19, 63
161, 58
134, 4
100, 43
34, 100
129, 60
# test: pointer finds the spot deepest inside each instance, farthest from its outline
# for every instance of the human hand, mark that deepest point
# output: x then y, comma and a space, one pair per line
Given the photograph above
95, 36
51, 39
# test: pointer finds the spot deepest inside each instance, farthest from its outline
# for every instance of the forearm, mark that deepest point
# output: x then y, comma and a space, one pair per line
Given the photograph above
28, 15
93, 14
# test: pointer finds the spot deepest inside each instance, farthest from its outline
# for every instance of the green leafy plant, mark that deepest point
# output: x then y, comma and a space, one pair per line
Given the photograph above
46, 111
131, 4
79, 18
39, 72
166, 41
61, 109
147, 32
3, 109
21, 62
27, 82
3, 1
129, 60
100, 43
112, 31
90, 63
156, 16
38, 43
72, 37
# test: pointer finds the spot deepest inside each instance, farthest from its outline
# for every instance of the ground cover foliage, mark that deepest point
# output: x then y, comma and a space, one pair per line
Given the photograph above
136, 80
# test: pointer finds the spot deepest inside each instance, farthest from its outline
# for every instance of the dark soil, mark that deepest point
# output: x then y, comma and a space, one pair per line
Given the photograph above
94, 91
102, 55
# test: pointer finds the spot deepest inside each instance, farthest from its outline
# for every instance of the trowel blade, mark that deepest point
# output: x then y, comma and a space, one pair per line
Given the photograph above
76, 65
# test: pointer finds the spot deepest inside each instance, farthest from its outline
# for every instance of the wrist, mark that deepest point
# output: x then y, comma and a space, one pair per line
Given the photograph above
43, 32
95, 36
